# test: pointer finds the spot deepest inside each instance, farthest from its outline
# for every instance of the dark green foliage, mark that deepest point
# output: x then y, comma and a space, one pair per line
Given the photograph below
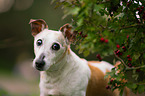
103, 25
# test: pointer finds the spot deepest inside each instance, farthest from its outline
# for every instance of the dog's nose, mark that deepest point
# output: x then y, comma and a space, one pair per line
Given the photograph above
40, 63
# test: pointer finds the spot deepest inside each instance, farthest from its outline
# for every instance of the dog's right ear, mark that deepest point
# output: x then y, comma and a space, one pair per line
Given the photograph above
68, 33
37, 26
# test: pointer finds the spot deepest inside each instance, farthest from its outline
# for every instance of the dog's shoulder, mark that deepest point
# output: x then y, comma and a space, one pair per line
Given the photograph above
101, 65
97, 84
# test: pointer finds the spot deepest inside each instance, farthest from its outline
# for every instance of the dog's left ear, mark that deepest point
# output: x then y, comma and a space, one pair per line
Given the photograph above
68, 33
37, 26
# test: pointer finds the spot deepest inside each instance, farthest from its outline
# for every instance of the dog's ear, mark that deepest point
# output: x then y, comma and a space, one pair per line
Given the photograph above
68, 33
37, 26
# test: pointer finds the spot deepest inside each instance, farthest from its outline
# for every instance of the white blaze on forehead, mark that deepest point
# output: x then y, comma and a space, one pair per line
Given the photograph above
50, 36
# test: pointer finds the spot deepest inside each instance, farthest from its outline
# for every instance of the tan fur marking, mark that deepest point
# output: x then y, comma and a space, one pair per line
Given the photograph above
68, 50
126, 91
97, 84
94, 61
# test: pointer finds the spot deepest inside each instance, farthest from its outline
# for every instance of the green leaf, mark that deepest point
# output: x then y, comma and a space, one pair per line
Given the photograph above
141, 89
80, 22
98, 7
86, 53
136, 56
132, 85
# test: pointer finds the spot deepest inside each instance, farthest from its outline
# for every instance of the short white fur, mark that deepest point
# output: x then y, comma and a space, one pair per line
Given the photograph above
70, 76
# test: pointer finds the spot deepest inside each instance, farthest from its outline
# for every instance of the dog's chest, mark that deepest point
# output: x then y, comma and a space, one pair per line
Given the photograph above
61, 88
47, 89
48, 85
73, 83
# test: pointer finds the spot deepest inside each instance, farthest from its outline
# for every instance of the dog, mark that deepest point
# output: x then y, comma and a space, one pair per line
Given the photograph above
62, 72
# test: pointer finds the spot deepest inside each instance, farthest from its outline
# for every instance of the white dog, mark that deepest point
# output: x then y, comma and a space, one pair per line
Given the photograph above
62, 72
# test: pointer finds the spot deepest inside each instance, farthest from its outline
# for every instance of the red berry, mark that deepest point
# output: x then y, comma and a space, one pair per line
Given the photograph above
108, 87
80, 33
129, 59
138, 8
84, 36
106, 41
128, 56
127, 36
142, 7
129, 64
137, 70
128, 4
100, 59
124, 48
118, 53
111, 81
102, 39
140, 11
115, 51
143, 16
98, 55
118, 46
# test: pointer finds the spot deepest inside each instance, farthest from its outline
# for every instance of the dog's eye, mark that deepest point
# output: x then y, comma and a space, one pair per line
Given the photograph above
55, 46
39, 42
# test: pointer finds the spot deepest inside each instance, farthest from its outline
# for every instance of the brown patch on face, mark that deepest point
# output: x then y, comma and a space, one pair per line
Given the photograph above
97, 84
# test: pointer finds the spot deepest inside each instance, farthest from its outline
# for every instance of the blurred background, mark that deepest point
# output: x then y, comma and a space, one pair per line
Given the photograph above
17, 77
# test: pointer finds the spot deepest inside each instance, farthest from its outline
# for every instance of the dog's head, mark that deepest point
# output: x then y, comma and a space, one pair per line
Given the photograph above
49, 46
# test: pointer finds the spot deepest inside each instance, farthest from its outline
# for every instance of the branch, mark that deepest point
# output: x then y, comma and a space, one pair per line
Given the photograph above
121, 60
125, 27
132, 68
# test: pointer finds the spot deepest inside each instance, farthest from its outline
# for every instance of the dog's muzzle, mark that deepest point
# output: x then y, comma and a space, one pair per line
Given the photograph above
40, 63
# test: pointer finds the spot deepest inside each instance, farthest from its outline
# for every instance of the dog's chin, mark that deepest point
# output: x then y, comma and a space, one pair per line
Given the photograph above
40, 69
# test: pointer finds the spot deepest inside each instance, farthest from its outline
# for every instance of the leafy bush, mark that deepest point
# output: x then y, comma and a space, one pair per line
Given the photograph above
112, 27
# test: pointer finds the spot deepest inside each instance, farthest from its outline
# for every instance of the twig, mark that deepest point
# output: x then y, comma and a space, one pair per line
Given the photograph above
121, 60
132, 68
125, 27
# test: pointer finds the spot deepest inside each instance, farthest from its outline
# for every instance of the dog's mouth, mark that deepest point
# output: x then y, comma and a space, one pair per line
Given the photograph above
40, 69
